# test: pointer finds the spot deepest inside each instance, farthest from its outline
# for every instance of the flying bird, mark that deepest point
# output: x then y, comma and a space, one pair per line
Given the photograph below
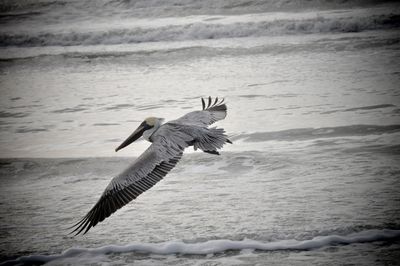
169, 140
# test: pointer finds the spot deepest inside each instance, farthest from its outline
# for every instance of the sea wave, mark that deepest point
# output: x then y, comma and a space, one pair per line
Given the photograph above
201, 31
131, 54
216, 246
317, 133
156, 8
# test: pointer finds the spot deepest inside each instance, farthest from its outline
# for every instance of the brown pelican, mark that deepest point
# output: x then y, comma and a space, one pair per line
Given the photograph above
168, 143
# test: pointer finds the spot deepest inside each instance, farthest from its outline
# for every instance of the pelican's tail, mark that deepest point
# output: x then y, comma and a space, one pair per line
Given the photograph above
211, 140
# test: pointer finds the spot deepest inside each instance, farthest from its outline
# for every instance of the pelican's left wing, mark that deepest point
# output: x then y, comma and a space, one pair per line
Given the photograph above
213, 111
148, 169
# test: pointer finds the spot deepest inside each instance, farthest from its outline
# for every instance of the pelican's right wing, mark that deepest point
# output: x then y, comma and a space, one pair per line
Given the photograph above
148, 169
213, 111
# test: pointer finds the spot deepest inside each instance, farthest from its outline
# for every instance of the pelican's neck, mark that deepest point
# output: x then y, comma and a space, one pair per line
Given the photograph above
148, 133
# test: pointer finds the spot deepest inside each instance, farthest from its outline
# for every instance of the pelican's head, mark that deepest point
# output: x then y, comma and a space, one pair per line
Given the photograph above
145, 129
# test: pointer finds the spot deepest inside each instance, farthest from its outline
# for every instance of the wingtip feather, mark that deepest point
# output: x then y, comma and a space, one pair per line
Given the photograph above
209, 102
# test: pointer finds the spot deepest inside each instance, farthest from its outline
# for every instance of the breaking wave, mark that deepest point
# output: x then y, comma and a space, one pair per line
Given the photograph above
316, 133
202, 31
216, 246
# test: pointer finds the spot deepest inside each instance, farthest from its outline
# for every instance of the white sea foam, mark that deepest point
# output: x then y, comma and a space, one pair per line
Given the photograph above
216, 246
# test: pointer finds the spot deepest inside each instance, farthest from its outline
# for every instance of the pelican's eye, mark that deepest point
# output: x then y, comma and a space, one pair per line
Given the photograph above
145, 125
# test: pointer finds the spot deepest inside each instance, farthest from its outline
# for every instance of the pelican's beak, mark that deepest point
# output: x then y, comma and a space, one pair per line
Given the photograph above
134, 136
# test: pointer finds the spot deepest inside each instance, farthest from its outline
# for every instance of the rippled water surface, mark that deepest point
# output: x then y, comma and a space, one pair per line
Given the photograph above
313, 103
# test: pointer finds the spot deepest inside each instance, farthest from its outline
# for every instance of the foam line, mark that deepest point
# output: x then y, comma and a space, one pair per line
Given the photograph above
217, 246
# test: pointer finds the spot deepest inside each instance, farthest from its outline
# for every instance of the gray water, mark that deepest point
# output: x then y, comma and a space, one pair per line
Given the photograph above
313, 98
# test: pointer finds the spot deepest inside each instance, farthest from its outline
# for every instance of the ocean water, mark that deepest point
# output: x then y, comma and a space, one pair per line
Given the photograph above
313, 96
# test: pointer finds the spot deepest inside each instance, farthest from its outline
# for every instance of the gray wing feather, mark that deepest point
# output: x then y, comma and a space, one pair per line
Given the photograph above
212, 112
148, 169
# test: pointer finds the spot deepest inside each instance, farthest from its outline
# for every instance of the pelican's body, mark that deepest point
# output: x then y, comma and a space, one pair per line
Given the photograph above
168, 143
